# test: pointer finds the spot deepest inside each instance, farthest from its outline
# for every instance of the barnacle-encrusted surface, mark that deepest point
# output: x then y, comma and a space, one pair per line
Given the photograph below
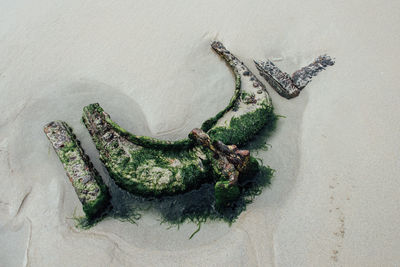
249, 112
290, 86
280, 81
88, 185
145, 168
304, 75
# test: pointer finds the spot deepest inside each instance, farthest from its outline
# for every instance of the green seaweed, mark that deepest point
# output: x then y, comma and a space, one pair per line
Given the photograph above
190, 173
225, 194
243, 128
200, 205
95, 207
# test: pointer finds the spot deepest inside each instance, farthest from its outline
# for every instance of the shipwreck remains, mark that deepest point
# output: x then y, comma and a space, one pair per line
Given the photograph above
149, 167
153, 168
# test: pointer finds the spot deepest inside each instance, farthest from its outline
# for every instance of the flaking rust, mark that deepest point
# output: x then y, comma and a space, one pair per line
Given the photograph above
85, 179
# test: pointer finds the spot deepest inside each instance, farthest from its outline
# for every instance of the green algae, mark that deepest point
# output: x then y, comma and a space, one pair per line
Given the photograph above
95, 207
200, 204
131, 174
225, 194
243, 128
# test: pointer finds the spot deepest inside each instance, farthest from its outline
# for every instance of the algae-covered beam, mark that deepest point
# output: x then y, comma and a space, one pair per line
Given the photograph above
88, 184
249, 82
249, 112
290, 86
143, 165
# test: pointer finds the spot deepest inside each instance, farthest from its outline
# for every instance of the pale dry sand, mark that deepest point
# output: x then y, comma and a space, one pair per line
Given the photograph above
335, 197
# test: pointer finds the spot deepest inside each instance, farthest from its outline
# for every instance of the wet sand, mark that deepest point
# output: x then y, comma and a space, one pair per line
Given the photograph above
334, 199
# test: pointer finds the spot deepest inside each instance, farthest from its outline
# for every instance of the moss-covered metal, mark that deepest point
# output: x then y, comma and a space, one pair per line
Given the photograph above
239, 130
88, 184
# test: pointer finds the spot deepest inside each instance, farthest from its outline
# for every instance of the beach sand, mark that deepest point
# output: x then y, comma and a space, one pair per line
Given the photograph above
334, 200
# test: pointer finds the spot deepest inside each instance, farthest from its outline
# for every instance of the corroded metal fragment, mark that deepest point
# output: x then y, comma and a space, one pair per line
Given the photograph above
290, 86
88, 185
